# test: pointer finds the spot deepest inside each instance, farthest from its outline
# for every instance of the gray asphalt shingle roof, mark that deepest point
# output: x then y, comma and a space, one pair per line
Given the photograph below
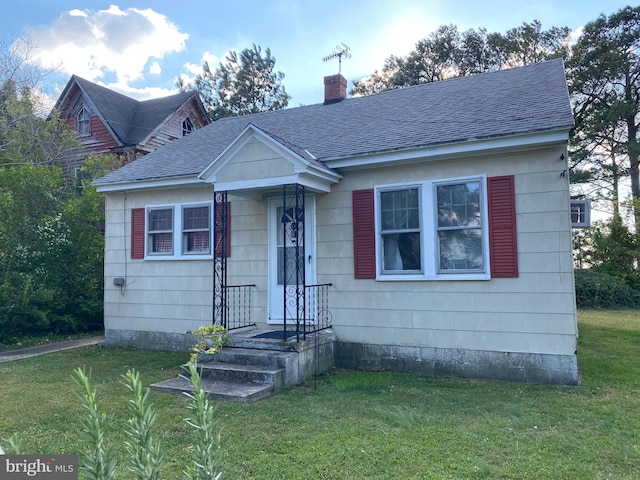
519, 101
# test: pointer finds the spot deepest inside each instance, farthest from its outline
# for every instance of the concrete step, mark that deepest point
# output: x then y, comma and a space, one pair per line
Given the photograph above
251, 356
243, 373
217, 390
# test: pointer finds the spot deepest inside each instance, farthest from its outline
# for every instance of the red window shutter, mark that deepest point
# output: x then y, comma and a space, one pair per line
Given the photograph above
222, 220
137, 233
503, 246
364, 235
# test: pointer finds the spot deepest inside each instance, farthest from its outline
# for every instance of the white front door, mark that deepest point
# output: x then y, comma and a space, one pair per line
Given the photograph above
281, 236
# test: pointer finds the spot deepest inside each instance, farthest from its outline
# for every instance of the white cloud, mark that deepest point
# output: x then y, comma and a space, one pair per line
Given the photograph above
91, 43
190, 70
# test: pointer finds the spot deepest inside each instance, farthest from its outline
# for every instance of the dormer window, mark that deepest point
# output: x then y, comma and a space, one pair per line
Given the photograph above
187, 127
82, 121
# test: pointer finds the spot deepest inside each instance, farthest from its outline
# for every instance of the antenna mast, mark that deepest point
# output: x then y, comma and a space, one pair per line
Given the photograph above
342, 50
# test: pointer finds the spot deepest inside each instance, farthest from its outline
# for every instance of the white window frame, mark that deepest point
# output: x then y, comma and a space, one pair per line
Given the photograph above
178, 233
582, 211
429, 246
185, 232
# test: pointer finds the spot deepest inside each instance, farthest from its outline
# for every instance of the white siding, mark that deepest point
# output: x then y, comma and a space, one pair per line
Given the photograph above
160, 295
534, 313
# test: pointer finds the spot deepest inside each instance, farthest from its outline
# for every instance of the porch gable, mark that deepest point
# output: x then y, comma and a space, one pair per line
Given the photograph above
256, 160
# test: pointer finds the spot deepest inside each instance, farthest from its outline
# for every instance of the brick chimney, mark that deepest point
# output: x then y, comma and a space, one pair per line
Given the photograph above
335, 89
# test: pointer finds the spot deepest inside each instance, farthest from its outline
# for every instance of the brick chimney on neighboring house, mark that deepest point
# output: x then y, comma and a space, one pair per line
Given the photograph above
335, 89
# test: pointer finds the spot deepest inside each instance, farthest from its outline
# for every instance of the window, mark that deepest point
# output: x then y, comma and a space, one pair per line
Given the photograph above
196, 232
187, 127
459, 227
160, 231
82, 121
434, 229
580, 213
172, 231
400, 230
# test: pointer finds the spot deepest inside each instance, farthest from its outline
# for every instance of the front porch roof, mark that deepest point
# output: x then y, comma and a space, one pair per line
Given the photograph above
257, 161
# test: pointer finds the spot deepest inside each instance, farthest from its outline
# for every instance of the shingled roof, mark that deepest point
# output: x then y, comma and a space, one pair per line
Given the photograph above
520, 101
130, 120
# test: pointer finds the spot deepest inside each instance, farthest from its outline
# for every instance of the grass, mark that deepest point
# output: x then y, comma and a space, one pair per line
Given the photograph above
361, 425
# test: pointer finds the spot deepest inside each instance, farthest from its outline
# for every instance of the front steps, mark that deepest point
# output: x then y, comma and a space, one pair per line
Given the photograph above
251, 368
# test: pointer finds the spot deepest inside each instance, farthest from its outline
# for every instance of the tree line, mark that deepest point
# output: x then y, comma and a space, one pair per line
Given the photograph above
51, 243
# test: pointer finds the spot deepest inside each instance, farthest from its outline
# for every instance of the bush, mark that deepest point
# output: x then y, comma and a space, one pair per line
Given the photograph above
600, 290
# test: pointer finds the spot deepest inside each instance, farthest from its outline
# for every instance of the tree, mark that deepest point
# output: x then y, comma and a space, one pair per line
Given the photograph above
448, 53
604, 80
51, 253
244, 83
26, 136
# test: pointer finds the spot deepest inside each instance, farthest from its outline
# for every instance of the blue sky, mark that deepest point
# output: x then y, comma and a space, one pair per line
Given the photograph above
140, 47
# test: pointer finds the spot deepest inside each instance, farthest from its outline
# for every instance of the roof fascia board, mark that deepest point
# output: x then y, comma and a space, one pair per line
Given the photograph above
468, 148
88, 98
249, 133
309, 181
175, 182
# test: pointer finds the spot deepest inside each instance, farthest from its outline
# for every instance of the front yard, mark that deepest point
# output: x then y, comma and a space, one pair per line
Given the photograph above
360, 425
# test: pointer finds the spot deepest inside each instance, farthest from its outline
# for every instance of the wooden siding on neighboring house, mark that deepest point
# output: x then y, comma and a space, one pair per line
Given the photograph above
99, 140
171, 129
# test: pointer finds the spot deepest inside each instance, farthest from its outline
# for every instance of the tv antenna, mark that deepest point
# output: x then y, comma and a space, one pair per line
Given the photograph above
342, 50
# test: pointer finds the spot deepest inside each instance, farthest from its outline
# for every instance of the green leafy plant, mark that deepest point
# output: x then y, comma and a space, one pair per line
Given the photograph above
98, 461
210, 340
143, 448
206, 450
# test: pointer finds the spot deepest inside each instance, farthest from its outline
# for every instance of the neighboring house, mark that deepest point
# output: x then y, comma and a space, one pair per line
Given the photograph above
428, 226
109, 122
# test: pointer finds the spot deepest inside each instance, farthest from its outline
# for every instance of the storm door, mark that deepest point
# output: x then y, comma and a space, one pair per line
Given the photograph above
291, 255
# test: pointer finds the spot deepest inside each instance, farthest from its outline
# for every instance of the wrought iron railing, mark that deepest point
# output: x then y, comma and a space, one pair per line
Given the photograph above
317, 314
237, 307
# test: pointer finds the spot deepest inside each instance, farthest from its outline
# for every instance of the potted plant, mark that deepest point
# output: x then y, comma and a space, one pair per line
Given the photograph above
210, 340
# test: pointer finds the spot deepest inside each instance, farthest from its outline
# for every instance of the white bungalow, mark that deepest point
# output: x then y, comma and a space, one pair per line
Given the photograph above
427, 227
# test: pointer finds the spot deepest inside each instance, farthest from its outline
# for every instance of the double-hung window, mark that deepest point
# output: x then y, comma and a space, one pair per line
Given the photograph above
400, 230
160, 231
175, 232
196, 230
459, 227
432, 230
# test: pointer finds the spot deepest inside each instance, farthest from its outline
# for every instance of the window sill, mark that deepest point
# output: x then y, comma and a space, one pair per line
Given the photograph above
435, 278
179, 258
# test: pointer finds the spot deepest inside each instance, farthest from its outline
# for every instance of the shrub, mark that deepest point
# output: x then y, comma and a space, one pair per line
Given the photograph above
600, 290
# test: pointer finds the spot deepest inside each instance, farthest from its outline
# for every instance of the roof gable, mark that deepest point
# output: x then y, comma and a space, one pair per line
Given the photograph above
130, 121
522, 105
255, 159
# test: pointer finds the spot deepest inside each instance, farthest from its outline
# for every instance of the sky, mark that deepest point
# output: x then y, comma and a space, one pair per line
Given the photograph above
140, 47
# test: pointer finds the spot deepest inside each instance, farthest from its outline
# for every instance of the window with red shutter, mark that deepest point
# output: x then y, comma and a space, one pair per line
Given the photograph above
453, 238
137, 233
364, 235
503, 243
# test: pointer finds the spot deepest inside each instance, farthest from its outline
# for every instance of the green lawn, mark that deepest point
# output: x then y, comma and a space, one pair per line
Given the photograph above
358, 425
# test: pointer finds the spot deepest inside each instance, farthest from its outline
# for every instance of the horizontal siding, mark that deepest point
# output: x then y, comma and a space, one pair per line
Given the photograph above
532, 313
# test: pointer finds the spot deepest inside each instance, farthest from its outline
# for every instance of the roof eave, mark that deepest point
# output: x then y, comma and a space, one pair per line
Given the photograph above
472, 147
172, 182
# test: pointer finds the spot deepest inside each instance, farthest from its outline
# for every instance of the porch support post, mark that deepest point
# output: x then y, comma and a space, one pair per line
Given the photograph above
293, 261
220, 242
